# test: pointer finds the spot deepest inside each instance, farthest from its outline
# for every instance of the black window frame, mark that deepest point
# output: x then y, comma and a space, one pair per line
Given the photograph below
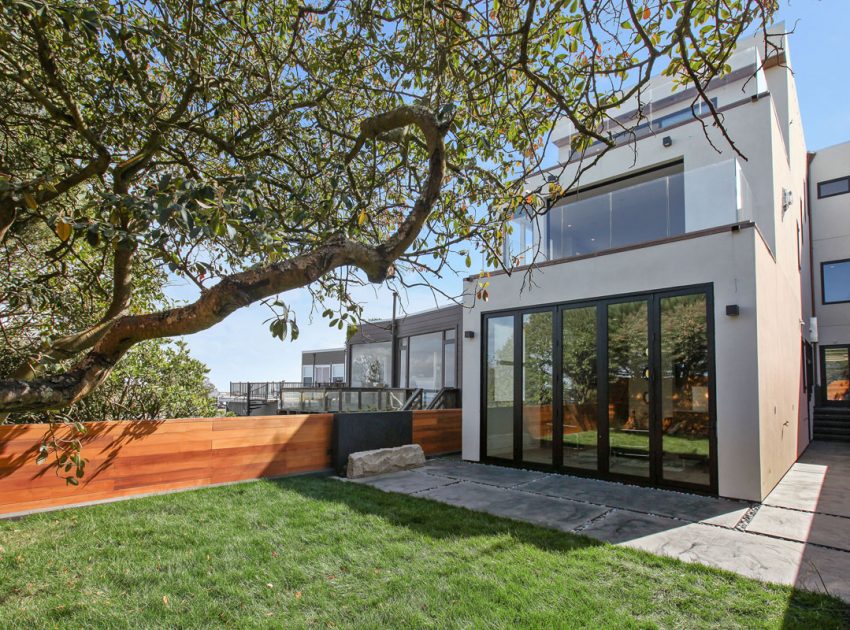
832, 181
823, 281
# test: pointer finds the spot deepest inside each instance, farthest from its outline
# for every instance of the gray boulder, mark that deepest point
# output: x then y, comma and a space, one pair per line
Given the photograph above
384, 460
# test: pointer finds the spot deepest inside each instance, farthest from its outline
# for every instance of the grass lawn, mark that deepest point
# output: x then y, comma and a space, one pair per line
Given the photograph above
318, 552
640, 441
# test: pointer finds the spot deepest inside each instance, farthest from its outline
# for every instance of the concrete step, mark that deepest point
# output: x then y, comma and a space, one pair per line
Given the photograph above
831, 434
831, 438
832, 412
832, 423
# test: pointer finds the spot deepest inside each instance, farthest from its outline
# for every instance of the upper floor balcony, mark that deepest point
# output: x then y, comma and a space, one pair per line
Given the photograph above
623, 212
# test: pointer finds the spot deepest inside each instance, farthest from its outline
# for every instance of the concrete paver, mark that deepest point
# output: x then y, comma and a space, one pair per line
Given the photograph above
800, 536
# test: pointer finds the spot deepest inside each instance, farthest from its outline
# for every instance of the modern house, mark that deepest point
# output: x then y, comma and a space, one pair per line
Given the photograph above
668, 337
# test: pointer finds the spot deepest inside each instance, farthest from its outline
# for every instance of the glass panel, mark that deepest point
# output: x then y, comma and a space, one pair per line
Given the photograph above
836, 374
580, 227
639, 213
500, 387
323, 373
426, 361
450, 334
685, 419
580, 387
370, 364
451, 365
537, 387
628, 389
836, 281
338, 372
837, 187
402, 363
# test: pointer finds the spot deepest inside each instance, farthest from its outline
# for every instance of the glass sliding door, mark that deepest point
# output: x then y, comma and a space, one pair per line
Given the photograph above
579, 383
537, 386
685, 391
628, 388
835, 375
499, 387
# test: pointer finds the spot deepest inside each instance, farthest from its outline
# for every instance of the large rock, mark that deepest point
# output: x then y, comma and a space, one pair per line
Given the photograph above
384, 460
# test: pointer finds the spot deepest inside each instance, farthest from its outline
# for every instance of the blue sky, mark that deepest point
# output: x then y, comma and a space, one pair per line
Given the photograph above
241, 347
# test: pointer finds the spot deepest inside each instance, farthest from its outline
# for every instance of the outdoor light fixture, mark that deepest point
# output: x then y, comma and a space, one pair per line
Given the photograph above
469, 334
733, 310
667, 141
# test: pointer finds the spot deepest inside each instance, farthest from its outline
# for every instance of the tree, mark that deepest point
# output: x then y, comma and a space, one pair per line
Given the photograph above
257, 147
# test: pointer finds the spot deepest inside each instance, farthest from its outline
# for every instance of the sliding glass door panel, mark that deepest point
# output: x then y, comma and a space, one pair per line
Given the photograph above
836, 375
500, 387
628, 389
537, 386
580, 387
685, 389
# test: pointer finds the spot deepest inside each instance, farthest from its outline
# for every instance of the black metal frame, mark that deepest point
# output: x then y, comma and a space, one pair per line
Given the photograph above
823, 283
832, 181
444, 342
822, 389
653, 299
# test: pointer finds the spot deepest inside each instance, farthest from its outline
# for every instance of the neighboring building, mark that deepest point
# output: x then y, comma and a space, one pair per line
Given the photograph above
320, 367
829, 185
420, 351
663, 338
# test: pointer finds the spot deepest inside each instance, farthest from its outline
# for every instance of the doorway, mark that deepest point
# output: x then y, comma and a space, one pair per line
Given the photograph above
835, 375
619, 387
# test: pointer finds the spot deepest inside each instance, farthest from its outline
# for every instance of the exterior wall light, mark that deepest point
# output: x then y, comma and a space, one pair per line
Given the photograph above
733, 310
469, 334
667, 141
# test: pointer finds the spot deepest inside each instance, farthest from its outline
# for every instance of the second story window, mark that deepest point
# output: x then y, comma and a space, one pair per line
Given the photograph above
835, 278
833, 187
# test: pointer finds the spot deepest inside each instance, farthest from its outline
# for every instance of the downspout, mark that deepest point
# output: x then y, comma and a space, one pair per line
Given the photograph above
394, 380
816, 364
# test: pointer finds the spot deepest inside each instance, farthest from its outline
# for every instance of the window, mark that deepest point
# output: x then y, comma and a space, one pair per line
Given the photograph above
426, 361
835, 281
833, 187
338, 372
307, 374
323, 373
451, 360
402, 362
370, 364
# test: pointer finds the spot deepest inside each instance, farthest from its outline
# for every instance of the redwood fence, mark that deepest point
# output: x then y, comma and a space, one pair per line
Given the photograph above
127, 458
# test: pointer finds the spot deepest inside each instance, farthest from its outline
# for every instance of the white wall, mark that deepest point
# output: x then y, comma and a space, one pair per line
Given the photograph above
726, 259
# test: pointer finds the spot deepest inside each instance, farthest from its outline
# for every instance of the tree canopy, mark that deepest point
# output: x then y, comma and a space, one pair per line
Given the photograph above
256, 147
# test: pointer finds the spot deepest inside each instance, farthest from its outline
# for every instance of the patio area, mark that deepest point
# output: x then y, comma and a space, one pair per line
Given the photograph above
800, 534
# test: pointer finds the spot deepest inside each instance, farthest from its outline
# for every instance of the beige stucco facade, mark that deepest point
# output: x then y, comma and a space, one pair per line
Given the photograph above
762, 266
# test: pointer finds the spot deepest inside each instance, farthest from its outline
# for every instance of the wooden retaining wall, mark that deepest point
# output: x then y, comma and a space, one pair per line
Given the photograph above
127, 458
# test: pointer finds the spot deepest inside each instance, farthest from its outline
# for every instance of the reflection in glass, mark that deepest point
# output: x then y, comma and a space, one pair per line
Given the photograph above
537, 387
500, 387
628, 388
370, 364
685, 419
451, 365
426, 361
580, 383
836, 375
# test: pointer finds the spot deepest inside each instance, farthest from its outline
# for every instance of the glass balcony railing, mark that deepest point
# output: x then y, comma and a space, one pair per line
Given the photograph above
657, 206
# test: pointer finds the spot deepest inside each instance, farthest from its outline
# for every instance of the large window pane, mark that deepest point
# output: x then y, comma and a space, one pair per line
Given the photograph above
628, 388
338, 372
426, 361
836, 281
402, 363
537, 387
836, 377
370, 364
500, 387
685, 420
580, 387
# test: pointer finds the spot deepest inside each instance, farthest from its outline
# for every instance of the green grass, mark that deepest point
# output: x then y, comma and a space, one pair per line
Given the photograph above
672, 443
317, 552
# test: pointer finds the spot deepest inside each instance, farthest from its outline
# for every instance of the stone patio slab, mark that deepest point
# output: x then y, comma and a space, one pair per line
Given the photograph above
481, 473
404, 482
820, 529
689, 507
560, 514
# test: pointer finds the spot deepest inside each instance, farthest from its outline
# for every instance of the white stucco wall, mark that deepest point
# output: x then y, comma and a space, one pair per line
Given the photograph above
830, 238
727, 260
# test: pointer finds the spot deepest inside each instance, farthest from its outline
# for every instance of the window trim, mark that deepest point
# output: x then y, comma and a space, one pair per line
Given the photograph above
823, 281
832, 181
